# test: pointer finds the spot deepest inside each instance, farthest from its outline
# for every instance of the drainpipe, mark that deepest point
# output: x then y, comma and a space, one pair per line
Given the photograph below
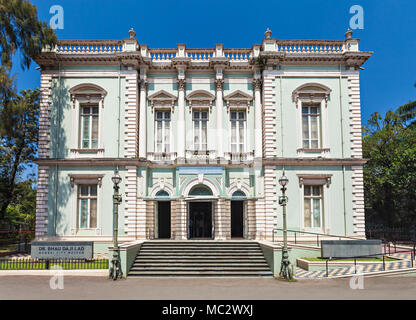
281, 113
119, 111
342, 151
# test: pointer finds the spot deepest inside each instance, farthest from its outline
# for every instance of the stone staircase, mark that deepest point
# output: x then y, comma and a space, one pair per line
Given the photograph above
200, 259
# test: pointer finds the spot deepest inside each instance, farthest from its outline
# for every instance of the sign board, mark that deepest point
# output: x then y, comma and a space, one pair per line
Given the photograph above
62, 249
350, 248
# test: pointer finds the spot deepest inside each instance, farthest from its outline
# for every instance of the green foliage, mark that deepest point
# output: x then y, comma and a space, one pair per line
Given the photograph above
21, 30
18, 136
390, 173
22, 210
408, 111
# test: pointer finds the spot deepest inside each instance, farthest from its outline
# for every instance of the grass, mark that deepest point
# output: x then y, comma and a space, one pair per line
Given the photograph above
375, 259
25, 265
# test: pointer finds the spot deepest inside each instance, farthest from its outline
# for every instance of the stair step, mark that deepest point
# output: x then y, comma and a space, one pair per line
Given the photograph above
200, 273
200, 258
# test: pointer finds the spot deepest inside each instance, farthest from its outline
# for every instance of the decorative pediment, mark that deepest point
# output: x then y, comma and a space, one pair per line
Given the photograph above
238, 99
87, 93
200, 98
313, 92
162, 99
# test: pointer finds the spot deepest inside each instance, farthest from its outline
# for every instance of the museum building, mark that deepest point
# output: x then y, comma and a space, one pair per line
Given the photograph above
200, 138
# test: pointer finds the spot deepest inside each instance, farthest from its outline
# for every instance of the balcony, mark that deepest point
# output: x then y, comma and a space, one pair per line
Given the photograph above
200, 156
161, 156
238, 157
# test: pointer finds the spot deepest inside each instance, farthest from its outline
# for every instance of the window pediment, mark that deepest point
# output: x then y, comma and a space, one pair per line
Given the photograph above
200, 98
314, 179
238, 99
311, 92
87, 93
162, 100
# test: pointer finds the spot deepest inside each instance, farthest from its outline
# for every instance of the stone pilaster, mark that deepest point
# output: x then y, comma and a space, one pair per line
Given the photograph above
220, 126
131, 133
258, 119
181, 119
130, 215
356, 152
42, 202
143, 120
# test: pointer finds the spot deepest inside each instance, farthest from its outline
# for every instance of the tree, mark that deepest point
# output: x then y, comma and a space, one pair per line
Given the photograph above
20, 32
19, 135
408, 111
390, 174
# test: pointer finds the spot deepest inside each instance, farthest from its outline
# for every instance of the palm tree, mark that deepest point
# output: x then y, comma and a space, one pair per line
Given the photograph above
408, 111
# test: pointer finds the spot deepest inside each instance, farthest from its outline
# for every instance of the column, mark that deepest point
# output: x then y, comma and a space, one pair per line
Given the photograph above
258, 134
220, 125
143, 121
181, 119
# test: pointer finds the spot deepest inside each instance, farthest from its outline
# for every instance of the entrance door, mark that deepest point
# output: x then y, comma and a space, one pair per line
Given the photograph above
200, 220
237, 219
163, 219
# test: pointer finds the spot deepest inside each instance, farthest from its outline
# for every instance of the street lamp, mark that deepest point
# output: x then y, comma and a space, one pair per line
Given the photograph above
115, 269
285, 271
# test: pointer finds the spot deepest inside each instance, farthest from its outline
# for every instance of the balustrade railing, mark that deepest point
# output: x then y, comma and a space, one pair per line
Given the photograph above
237, 54
162, 55
310, 46
88, 46
199, 55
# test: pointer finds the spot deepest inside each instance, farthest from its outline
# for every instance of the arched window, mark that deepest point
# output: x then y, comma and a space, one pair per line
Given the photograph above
162, 194
311, 100
238, 194
200, 190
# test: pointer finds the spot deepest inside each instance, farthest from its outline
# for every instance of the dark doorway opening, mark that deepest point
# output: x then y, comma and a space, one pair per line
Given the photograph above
163, 219
200, 220
237, 219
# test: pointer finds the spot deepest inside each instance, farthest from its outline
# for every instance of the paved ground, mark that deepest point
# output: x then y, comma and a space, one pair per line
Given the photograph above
31, 287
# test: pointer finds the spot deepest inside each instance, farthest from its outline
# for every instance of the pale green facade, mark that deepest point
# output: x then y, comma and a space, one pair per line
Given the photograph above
269, 85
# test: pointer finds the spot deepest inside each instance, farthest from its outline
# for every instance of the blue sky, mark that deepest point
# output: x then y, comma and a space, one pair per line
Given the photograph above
389, 31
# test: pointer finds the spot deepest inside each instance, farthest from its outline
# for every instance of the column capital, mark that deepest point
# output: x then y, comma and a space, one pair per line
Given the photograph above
143, 84
218, 84
257, 83
181, 84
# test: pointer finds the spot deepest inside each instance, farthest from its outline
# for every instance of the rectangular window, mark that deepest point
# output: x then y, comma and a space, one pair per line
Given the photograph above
310, 126
313, 206
87, 206
200, 121
89, 127
238, 131
162, 131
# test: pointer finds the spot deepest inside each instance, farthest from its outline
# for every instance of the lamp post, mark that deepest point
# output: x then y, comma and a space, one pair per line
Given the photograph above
115, 269
285, 271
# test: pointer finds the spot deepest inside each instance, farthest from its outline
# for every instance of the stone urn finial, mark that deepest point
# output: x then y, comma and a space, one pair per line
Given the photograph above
132, 34
268, 33
348, 34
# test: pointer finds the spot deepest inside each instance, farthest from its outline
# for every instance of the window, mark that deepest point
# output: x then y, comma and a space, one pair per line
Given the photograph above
87, 206
200, 120
89, 127
162, 134
238, 131
312, 206
311, 126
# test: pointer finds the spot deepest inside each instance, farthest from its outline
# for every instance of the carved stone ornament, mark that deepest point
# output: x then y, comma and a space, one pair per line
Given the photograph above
311, 92
181, 84
238, 100
219, 84
257, 84
162, 100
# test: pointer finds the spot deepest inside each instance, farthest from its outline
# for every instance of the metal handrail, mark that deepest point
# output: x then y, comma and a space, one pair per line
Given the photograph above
313, 233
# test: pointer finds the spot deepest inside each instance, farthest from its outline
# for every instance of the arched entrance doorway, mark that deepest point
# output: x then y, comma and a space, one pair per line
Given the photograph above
238, 215
162, 216
200, 213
